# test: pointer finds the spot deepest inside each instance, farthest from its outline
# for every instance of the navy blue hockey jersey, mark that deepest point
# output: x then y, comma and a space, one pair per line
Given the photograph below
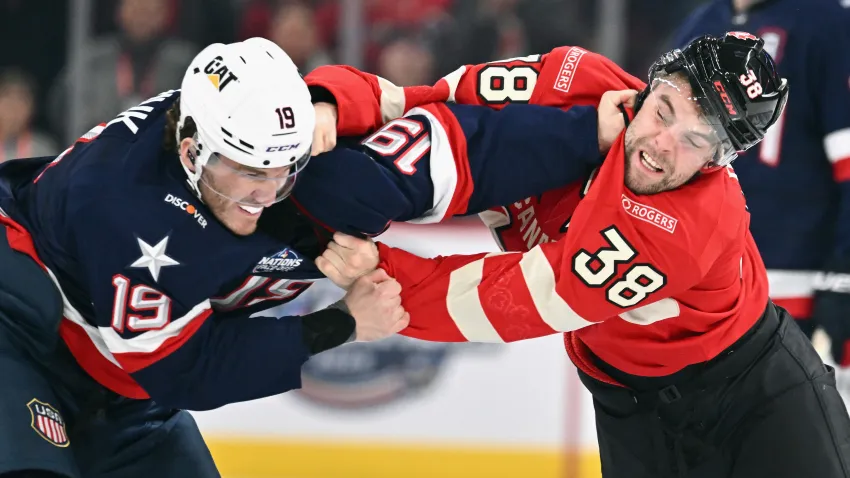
797, 181
157, 292
160, 298
445, 160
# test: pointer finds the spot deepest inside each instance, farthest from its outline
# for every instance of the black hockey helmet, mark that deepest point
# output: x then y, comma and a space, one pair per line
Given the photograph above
735, 84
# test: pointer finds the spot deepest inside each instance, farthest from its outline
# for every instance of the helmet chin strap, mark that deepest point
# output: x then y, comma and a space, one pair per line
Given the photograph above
640, 98
193, 177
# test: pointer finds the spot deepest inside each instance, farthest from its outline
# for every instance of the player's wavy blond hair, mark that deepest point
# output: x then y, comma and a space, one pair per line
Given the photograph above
172, 119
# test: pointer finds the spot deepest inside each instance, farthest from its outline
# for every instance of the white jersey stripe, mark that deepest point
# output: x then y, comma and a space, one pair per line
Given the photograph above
464, 304
150, 342
837, 145
784, 284
453, 80
73, 315
392, 100
540, 279
443, 170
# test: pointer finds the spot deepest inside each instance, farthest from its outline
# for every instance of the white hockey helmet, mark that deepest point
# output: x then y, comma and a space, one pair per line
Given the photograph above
251, 106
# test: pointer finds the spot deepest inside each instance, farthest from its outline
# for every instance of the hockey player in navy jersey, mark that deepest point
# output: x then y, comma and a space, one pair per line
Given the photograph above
131, 265
136, 263
797, 181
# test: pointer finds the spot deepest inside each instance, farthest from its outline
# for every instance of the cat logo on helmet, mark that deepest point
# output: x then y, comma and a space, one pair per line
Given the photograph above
218, 73
743, 36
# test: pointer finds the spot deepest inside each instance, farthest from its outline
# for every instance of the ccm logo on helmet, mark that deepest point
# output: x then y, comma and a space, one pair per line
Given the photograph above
188, 207
727, 102
218, 73
286, 147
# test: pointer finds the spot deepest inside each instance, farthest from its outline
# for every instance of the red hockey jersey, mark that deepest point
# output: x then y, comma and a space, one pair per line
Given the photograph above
650, 284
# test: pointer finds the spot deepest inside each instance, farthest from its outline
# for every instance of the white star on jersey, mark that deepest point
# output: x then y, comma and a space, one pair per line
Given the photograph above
154, 258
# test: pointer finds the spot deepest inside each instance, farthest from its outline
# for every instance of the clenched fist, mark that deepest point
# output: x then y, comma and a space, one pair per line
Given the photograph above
375, 304
347, 258
610, 118
324, 135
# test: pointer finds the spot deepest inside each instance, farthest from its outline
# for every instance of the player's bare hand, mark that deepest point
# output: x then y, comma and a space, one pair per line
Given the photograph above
375, 304
324, 136
347, 258
611, 121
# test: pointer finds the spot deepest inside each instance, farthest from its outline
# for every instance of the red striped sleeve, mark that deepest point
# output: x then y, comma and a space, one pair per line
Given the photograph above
501, 297
366, 101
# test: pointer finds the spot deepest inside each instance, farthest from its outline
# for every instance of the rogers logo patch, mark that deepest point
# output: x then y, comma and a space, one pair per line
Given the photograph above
568, 69
650, 215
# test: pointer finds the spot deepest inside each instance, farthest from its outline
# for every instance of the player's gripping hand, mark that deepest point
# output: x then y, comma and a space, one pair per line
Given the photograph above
832, 311
375, 304
610, 118
324, 136
347, 258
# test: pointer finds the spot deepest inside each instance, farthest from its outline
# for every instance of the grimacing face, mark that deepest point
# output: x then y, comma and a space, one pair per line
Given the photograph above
669, 141
236, 194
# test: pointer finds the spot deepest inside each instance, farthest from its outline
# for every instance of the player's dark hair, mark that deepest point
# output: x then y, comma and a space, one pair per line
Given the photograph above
172, 119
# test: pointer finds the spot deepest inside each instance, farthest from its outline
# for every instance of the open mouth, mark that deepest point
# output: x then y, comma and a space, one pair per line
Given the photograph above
650, 164
252, 211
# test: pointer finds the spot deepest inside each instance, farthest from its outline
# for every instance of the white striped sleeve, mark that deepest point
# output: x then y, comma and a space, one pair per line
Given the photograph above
444, 174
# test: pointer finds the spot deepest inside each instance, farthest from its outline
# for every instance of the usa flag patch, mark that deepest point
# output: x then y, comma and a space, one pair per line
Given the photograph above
48, 423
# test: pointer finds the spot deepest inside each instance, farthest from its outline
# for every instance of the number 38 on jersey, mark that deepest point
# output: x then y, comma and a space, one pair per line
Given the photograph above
598, 269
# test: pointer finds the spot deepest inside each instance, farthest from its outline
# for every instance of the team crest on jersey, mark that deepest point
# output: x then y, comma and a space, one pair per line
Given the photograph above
48, 423
283, 261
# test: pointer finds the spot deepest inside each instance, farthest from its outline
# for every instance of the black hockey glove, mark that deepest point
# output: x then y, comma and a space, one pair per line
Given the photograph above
832, 309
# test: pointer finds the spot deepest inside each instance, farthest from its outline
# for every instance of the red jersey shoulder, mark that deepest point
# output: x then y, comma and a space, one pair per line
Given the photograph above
709, 204
581, 75
701, 217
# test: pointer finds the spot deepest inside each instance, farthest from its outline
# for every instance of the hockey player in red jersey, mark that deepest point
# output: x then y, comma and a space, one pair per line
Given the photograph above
648, 266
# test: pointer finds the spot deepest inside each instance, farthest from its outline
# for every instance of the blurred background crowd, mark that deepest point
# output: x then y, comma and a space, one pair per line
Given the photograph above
66, 65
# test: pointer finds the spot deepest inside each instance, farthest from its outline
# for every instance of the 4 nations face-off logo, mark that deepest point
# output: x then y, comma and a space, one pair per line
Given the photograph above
283, 261
48, 423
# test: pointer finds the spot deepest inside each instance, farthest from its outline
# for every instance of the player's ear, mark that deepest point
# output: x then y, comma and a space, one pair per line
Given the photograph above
188, 153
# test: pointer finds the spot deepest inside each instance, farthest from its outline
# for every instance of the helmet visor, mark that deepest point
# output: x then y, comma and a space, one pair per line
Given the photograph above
251, 187
696, 133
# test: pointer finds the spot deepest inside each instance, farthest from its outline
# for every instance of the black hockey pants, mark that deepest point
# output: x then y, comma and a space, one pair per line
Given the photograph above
766, 407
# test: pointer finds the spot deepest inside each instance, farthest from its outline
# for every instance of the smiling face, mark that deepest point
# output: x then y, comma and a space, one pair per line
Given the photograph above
670, 140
